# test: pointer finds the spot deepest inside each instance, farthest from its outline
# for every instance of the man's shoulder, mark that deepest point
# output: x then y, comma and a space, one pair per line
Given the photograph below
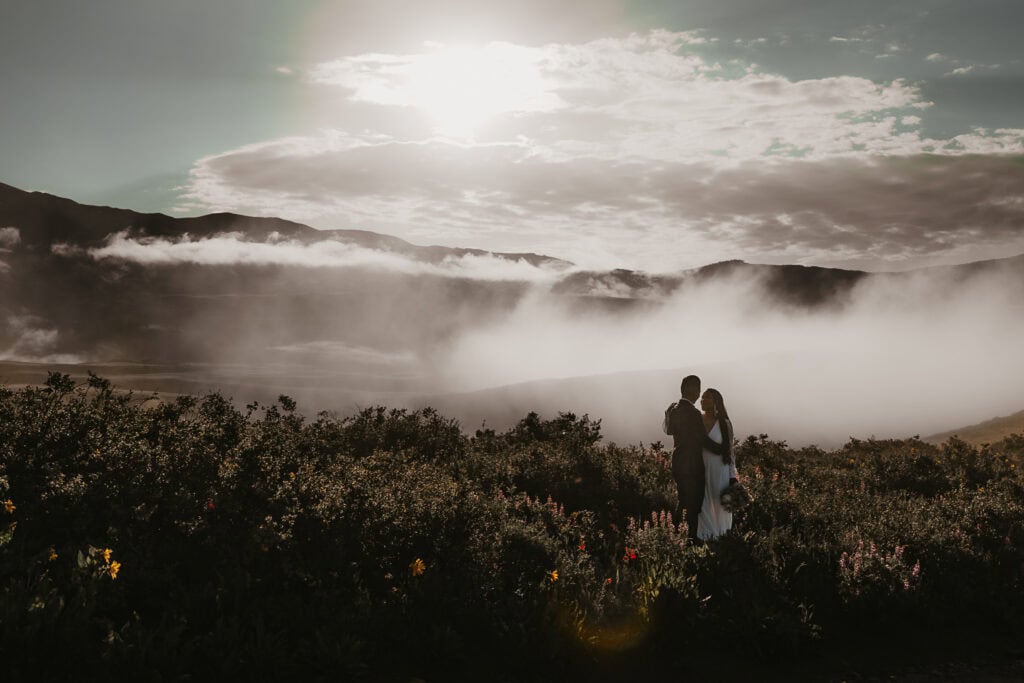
682, 410
685, 407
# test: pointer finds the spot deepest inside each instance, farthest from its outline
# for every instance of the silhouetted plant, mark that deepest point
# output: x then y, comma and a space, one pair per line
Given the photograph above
191, 536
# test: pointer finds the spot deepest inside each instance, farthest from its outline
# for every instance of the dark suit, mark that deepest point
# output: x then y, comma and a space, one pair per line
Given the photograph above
689, 438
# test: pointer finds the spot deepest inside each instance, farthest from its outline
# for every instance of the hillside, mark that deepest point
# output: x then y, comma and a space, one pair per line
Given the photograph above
44, 220
989, 431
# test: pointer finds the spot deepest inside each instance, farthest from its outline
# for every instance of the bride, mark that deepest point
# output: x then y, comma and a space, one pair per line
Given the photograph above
719, 470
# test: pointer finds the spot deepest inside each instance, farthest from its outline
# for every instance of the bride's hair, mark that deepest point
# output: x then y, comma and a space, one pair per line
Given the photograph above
723, 418
720, 410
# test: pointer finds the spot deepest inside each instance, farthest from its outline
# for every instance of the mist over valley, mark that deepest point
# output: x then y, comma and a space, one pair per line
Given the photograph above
341, 319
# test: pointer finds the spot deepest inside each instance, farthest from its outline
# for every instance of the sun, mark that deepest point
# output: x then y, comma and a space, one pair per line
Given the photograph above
461, 88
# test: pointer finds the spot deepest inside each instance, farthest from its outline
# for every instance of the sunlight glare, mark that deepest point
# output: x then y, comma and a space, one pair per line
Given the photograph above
460, 88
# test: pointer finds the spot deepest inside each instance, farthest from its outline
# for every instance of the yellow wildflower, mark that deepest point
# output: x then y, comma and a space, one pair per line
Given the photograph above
106, 555
417, 567
115, 567
53, 555
9, 506
553, 575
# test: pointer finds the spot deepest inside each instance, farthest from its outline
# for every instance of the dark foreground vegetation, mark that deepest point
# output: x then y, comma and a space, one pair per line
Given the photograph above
192, 541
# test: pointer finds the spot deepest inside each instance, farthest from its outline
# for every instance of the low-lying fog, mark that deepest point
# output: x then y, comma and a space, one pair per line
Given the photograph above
901, 354
908, 354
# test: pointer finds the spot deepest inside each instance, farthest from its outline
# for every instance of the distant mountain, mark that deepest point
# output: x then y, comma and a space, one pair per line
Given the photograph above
792, 284
44, 220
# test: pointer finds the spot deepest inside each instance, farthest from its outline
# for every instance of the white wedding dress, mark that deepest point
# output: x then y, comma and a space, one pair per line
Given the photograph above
714, 520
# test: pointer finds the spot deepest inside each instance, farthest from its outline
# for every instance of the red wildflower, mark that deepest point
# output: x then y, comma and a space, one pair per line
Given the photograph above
209, 505
608, 581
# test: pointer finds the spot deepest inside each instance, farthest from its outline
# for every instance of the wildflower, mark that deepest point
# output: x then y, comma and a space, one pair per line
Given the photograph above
210, 505
9, 506
630, 554
583, 545
417, 567
106, 555
916, 571
291, 475
608, 581
115, 567
553, 575
53, 555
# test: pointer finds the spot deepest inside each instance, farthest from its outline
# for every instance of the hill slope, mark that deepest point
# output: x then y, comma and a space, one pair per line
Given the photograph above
989, 431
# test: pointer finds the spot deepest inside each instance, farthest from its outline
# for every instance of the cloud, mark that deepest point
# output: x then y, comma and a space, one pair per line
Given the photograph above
595, 210
284, 71
972, 68
9, 237
233, 249
633, 151
448, 76
32, 340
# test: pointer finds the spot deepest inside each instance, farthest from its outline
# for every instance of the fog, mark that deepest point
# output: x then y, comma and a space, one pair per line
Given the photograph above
234, 249
485, 339
32, 341
907, 354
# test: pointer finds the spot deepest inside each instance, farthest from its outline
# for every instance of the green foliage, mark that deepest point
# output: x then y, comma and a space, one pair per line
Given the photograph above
194, 537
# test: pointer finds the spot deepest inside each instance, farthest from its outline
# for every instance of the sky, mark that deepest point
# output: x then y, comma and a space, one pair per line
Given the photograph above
650, 134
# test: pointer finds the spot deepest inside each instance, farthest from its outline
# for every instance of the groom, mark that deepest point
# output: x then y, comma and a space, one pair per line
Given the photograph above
684, 422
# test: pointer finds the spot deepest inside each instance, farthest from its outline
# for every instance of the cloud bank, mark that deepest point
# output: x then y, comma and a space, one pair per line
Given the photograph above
232, 249
910, 353
32, 339
636, 152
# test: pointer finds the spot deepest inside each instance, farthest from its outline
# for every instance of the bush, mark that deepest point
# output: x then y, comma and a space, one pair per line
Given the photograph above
191, 536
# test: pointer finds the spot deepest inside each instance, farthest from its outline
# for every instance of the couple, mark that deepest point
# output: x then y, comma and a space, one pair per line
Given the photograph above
702, 460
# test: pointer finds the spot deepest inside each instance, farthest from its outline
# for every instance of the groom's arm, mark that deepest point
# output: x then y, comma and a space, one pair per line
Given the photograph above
714, 446
666, 423
703, 439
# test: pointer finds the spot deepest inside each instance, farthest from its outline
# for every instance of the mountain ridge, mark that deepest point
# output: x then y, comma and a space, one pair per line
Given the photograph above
46, 219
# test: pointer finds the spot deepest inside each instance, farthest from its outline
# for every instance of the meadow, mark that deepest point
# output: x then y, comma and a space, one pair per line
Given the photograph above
191, 540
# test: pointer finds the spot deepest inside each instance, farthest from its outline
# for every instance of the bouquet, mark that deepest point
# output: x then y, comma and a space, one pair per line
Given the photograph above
734, 498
